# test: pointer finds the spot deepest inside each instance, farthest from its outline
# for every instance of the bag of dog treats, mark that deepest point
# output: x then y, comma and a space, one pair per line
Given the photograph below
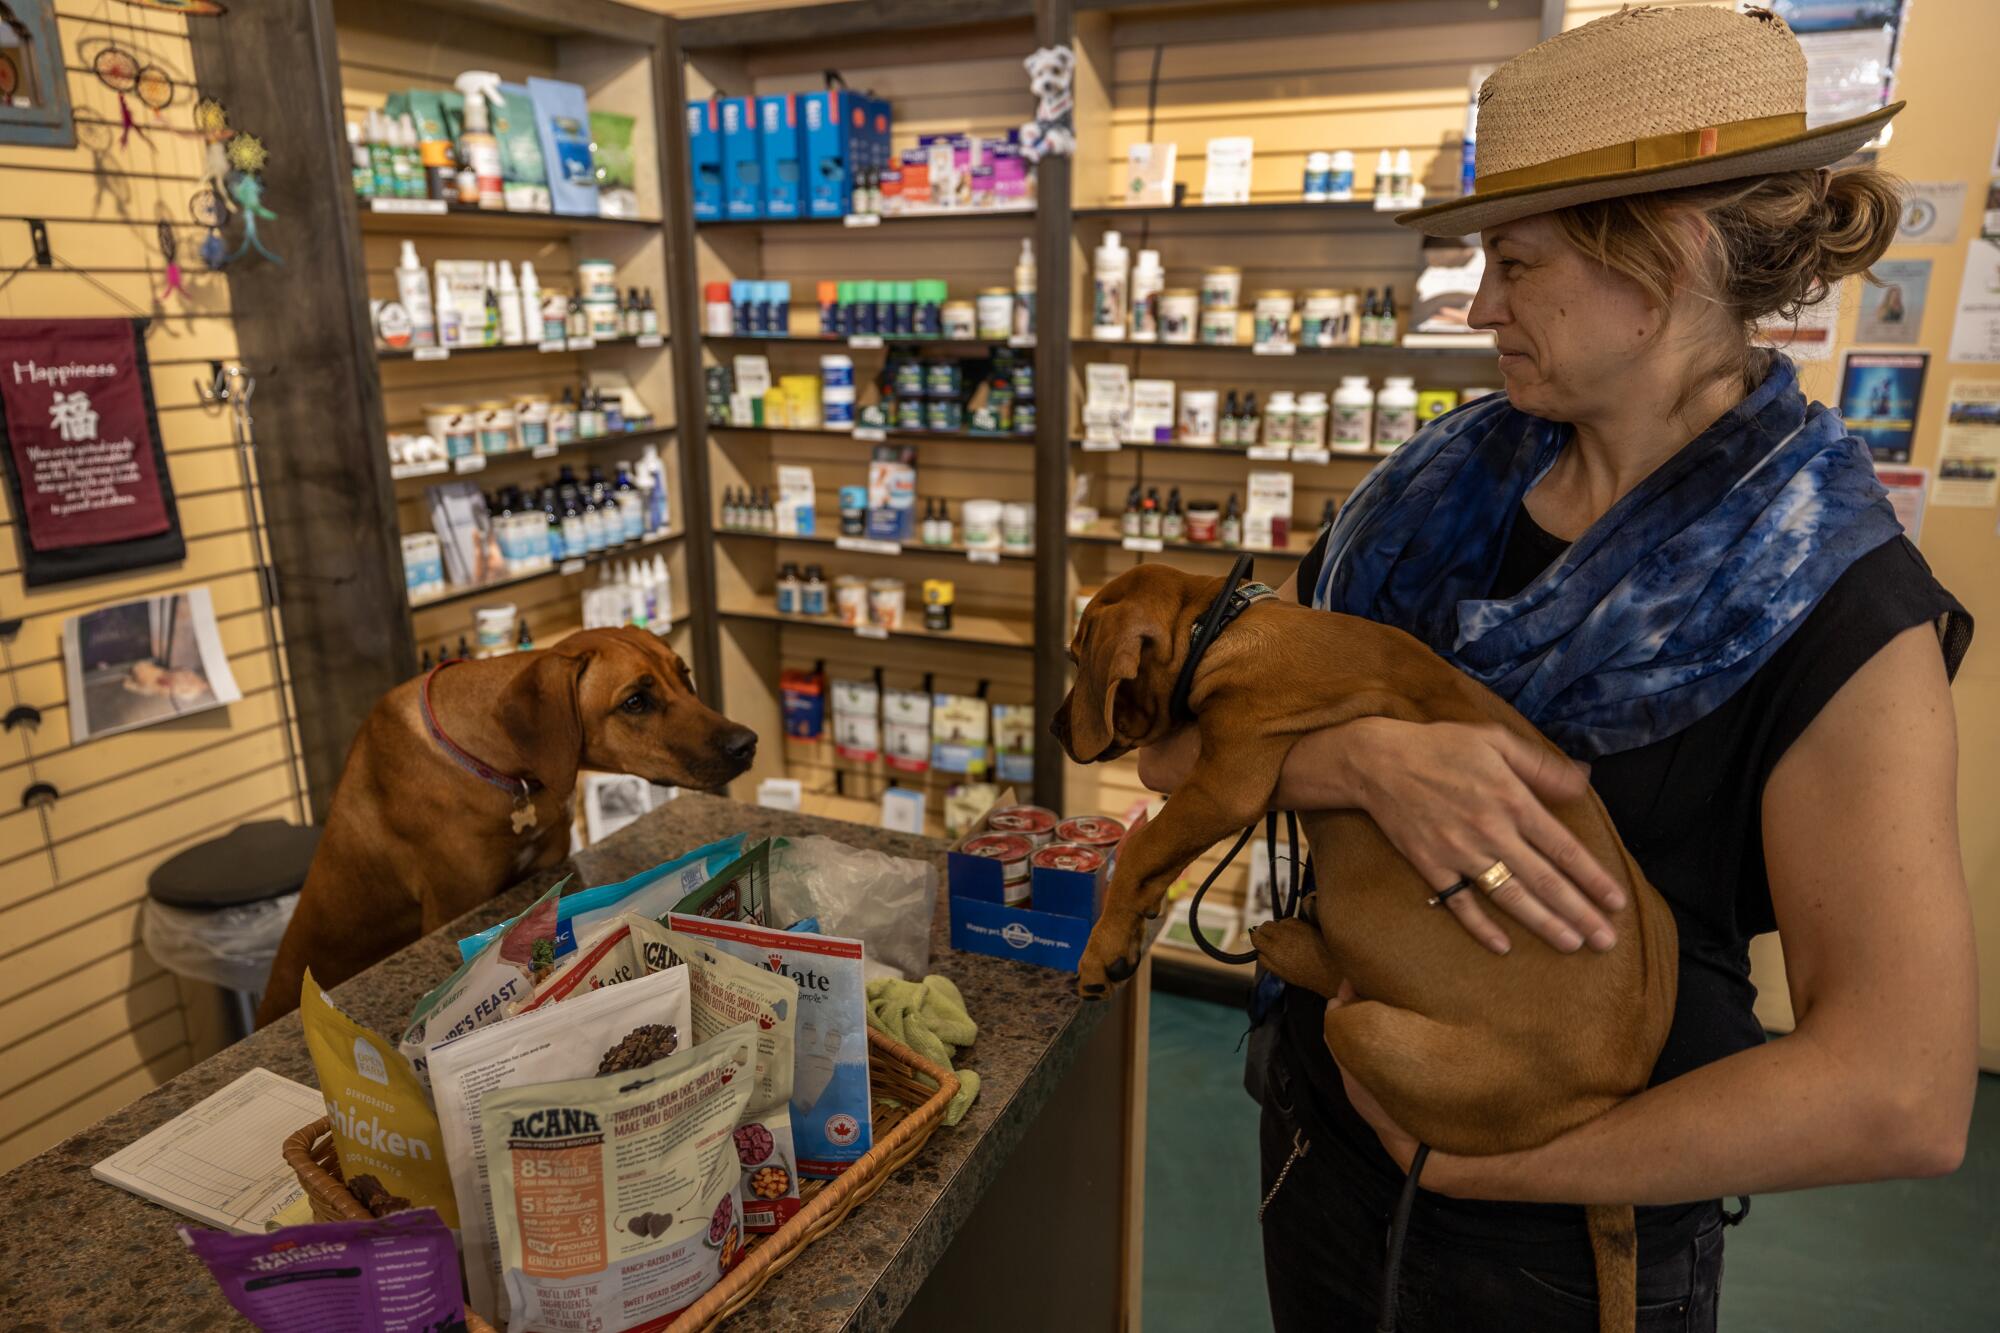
383, 1125
616, 1198
830, 1099
485, 985
599, 1032
678, 877
723, 991
395, 1274
740, 891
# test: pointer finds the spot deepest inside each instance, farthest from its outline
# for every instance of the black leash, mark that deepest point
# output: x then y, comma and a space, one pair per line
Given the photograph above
1399, 1228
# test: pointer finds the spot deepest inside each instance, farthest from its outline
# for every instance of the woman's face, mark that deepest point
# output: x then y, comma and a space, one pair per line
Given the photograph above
1572, 334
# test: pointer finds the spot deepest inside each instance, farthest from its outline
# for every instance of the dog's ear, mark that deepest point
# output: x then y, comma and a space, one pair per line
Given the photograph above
541, 710
1109, 706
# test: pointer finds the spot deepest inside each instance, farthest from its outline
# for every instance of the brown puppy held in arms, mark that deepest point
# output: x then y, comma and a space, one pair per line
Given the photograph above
415, 838
1472, 1052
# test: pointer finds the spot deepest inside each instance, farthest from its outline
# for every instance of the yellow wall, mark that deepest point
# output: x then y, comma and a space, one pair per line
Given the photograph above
87, 1020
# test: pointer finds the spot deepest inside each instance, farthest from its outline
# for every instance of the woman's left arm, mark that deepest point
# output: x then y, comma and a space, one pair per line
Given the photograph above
1876, 1081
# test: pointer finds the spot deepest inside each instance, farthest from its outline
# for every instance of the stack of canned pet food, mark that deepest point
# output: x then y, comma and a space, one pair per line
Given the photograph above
1024, 837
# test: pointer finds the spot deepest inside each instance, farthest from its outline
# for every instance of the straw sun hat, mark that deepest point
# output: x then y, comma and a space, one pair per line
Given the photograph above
1641, 100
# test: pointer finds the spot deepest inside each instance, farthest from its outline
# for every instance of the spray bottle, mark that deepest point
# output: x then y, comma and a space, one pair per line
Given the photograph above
1111, 269
513, 328
531, 304
477, 148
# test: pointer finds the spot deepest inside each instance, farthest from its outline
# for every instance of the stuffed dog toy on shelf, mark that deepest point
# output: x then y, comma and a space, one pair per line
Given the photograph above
463, 781
1472, 1052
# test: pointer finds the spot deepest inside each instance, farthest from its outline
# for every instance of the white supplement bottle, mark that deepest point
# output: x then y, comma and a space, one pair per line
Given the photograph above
1111, 282
1353, 416
413, 289
1147, 281
1024, 290
1395, 413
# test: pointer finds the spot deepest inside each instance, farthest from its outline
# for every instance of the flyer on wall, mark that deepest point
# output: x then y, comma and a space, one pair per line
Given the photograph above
1975, 327
140, 663
1968, 473
1810, 338
1880, 393
1907, 487
1930, 212
1893, 312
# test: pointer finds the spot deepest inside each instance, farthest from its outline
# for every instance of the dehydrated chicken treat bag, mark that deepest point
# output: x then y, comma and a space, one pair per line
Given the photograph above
616, 1198
723, 991
486, 985
573, 1039
830, 1101
394, 1274
383, 1125
583, 913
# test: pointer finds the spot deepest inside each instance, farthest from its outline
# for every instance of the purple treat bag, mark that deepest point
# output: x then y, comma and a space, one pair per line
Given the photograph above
394, 1274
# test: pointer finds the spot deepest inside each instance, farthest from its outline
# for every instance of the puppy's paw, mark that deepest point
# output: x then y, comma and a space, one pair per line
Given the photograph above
1111, 957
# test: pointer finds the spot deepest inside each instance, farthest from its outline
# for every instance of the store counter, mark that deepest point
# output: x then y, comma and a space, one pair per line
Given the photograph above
1024, 1215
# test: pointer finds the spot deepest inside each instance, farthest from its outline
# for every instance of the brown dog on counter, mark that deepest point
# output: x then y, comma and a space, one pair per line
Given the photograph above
1471, 1052
417, 835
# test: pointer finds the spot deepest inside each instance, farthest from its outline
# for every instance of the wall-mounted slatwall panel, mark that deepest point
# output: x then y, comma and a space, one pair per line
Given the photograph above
87, 1020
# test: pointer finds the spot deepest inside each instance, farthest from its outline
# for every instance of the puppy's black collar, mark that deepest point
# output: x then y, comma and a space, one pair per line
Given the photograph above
1235, 598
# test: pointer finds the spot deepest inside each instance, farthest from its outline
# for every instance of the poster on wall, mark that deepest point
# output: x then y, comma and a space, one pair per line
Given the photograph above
140, 663
1931, 211
1893, 312
1850, 48
1975, 325
1906, 487
1989, 217
81, 442
1968, 473
1879, 396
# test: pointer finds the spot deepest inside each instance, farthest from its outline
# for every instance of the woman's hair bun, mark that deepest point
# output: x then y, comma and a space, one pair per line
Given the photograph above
1860, 213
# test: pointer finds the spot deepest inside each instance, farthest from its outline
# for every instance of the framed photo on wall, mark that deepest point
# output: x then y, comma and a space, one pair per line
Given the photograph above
34, 93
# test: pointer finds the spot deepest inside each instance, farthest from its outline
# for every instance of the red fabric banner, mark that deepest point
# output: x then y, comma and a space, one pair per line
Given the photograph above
79, 432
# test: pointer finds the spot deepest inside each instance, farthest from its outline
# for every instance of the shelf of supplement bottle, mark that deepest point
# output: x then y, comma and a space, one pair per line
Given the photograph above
438, 217
872, 221
877, 434
1248, 453
553, 346
869, 546
481, 462
674, 622
1273, 208
576, 565
869, 342
1295, 351
970, 630
1107, 534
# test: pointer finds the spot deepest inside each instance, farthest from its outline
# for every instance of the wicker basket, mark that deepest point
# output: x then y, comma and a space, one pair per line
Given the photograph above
909, 1098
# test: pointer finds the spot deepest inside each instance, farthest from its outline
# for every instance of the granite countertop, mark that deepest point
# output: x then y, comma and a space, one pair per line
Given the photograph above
84, 1255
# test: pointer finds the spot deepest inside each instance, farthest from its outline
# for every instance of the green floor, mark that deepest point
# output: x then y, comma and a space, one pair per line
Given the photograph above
1920, 1255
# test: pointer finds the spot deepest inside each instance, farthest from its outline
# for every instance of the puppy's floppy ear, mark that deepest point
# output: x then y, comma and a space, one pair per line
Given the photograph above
541, 711
1108, 708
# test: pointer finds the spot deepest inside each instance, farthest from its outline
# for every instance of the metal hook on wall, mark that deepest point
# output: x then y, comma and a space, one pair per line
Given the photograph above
214, 391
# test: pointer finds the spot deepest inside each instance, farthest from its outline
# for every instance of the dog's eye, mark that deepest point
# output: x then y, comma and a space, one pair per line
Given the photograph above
638, 703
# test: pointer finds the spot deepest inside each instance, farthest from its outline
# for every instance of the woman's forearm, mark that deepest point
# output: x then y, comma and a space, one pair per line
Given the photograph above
1782, 1116
1318, 774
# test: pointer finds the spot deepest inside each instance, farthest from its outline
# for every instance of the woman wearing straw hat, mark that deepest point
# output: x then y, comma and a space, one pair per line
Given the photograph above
1687, 575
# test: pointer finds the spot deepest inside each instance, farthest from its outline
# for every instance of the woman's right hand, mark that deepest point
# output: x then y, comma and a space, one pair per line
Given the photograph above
1456, 797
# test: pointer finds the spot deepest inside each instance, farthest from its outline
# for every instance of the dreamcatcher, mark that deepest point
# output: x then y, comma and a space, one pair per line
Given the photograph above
126, 74
248, 155
170, 251
211, 122
210, 209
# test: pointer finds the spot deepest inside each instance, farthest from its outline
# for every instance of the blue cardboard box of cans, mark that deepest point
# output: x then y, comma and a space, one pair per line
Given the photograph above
1049, 924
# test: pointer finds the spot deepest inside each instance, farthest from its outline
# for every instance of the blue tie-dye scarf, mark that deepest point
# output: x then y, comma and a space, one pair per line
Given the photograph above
1651, 619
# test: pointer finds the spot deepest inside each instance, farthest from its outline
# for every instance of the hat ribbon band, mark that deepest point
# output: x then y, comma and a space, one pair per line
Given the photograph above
1654, 151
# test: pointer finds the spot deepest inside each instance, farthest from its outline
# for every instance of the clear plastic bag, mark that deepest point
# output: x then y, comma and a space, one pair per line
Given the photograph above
230, 947
884, 901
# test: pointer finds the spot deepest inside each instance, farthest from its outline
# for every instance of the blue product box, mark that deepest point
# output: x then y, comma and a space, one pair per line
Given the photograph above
742, 163
827, 166
1050, 932
704, 123
783, 147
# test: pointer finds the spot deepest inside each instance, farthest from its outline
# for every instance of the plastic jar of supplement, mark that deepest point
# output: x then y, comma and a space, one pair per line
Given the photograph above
1199, 410
853, 510
495, 420
1395, 413
454, 426
1352, 425
1218, 327
1434, 403
980, 524
1319, 177
1273, 325
1319, 322
1221, 288
961, 321
531, 419
598, 279
493, 630
1281, 412
938, 597
1180, 310
423, 565
1017, 526
885, 603
606, 320
994, 314
850, 600
1309, 426
836, 370
1203, 516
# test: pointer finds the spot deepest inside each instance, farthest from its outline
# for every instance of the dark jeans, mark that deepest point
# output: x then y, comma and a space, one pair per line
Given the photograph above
1324, 1251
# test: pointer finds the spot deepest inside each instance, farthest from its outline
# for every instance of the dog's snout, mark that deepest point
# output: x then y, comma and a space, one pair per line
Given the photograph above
740, 745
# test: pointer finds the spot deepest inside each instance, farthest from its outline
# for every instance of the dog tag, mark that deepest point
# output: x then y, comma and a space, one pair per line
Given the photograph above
524, 815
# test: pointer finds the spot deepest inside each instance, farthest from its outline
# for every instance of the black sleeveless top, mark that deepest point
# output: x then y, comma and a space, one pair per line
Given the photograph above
1689, 807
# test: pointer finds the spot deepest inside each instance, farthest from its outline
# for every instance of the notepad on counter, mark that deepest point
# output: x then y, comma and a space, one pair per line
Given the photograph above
221, 1161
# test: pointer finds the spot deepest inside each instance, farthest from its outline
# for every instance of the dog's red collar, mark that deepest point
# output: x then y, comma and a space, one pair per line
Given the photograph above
518, 788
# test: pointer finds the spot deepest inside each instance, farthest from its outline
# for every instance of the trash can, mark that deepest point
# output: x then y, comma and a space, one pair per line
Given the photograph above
216, 911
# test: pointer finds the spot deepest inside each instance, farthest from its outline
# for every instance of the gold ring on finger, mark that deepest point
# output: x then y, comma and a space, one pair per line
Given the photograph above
1493, 876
